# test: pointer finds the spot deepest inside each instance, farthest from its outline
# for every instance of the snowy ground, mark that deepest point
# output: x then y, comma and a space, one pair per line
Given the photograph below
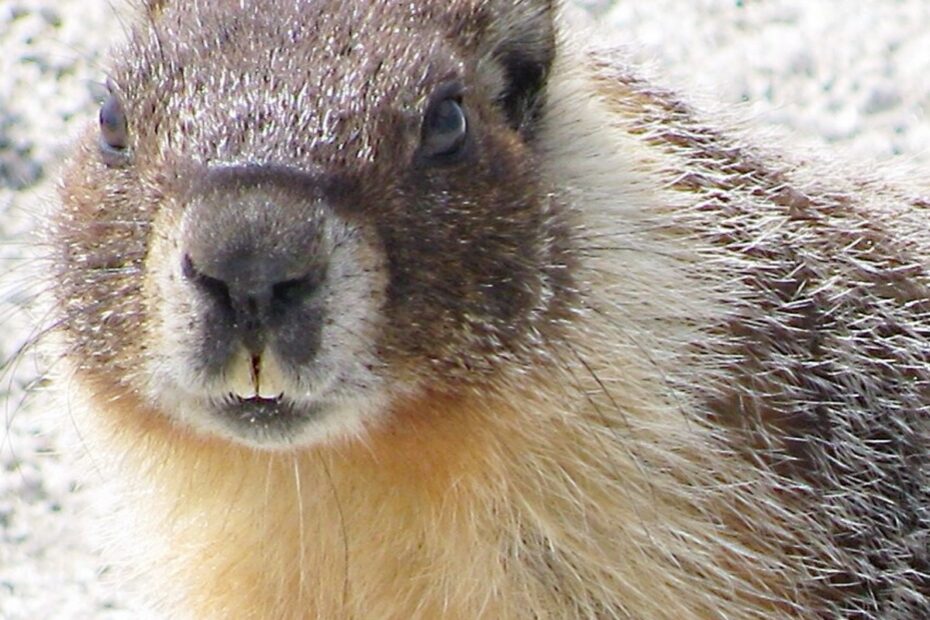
846, 77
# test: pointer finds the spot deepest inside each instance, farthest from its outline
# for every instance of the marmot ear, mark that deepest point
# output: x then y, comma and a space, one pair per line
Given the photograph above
523, 44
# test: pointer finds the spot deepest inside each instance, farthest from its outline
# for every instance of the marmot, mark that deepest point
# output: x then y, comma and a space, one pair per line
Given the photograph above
403, 310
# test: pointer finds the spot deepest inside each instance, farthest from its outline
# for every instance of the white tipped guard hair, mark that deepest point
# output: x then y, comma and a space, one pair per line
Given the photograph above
593, 356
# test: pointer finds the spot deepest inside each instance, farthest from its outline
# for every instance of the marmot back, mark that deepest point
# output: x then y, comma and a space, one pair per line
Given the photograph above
419, 310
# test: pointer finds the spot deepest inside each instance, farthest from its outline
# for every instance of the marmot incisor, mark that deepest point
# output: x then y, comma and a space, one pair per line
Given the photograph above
416, 310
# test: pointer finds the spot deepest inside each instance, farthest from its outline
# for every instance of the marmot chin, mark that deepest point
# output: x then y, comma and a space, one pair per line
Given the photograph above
394, 310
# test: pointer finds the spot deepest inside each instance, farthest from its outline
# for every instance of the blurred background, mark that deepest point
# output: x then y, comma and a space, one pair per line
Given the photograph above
847, 79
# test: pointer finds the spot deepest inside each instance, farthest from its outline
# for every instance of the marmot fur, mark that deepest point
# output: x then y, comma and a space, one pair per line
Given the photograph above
401, 310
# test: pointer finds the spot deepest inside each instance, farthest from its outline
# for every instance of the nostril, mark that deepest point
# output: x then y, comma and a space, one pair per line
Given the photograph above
249, 290
214, 287
291, 292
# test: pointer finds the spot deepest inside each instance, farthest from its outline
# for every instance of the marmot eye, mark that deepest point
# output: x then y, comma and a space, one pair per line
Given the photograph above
445, 130
114, 132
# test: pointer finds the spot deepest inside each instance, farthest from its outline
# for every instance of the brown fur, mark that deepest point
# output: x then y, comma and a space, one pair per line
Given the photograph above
617, 364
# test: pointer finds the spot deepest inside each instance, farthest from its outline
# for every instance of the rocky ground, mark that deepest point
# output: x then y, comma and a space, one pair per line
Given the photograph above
848, 79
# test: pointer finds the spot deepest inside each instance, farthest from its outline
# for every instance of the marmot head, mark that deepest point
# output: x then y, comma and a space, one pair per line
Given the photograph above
293, 213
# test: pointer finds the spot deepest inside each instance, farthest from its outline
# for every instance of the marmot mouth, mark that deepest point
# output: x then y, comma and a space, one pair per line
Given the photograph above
277, 415
257, 408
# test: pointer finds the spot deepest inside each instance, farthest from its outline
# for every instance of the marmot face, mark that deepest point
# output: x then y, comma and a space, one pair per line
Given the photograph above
294, 213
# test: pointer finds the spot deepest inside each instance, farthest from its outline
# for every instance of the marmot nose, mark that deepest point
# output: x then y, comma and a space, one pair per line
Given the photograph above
257, 292
253, 247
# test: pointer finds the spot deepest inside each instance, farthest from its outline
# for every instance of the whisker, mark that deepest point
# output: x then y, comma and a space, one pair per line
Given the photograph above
342, 527
301, 534
625, 442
